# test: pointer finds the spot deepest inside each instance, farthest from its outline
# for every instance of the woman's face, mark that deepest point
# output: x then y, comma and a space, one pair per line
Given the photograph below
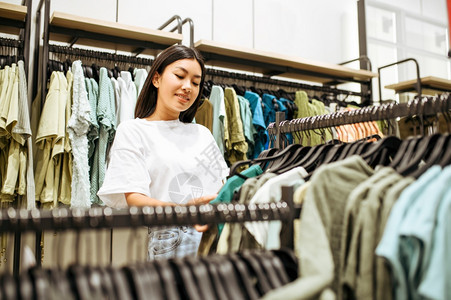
178, 87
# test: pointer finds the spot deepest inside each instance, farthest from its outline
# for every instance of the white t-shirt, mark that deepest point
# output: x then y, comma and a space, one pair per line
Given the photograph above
170, 161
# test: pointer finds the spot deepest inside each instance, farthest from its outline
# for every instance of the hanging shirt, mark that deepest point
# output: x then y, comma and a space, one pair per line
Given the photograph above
50, 139
93, 133
267, 234
107, 124
125, 106
63, 173
417, 231
261, 138
234, 140
204, 114
435, 282
248, 126
77, 128
23, 127
140, 78
219, 116
389, 247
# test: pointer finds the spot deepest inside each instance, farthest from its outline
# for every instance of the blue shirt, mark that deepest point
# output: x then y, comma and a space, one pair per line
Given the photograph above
262, 137
389, 246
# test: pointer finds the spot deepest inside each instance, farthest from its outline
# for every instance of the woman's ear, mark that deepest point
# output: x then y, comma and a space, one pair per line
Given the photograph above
156, 80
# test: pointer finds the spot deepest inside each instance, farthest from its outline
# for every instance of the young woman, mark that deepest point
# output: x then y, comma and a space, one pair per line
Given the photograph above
161, 158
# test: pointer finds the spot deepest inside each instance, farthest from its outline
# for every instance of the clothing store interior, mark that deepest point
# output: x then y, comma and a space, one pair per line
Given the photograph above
333, 119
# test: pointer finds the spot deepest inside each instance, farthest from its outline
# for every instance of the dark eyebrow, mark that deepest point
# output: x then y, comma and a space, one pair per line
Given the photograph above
184, 70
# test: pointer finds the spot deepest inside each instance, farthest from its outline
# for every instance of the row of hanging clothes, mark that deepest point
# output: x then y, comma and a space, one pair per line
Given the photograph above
237, 111
375, 212
16, 172
89, 94
246, 275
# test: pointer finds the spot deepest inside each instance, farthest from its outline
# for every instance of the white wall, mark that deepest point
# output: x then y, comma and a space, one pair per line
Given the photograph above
294, 27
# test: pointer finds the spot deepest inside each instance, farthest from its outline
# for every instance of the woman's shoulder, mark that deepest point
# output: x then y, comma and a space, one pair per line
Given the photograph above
198, 128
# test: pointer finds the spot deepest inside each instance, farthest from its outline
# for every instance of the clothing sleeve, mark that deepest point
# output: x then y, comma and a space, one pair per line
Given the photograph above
126, 171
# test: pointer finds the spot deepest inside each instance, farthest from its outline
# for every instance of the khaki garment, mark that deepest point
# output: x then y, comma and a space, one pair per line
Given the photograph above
234, 140
204, 114
14, 174
50, 140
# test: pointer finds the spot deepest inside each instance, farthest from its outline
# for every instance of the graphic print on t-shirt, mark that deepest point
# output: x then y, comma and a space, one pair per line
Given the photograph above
184, 187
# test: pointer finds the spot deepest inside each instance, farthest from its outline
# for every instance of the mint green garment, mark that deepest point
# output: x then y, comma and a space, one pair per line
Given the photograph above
219, 115
107, 123
389, 246
417, 231
435, 282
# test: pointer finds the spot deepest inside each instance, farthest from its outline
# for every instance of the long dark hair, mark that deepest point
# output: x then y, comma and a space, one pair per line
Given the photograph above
147, 99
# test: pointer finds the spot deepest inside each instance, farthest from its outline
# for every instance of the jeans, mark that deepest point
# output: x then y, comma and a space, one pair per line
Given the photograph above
170, 242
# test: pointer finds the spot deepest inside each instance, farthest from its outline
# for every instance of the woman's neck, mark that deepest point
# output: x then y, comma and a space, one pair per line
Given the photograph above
158, 116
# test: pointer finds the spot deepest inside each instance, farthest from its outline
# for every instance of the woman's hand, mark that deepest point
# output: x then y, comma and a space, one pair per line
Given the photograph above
202, 200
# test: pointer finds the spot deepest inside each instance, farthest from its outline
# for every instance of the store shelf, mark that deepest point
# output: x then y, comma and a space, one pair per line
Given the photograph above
267, 63
430, 85
12, 17
110, 35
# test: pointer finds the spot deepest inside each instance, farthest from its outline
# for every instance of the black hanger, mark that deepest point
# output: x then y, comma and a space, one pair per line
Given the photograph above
289, 261
291, 161
221, 293
315, 160
25, 287
446, 159
283, 157
228, 276
80, 282
263, 284
438, 156
201, 277
188, 288
244, 277
152, 281
373, 155
95, 72
107, 284
423, 150
41, 283
8, 287
271, 274
167, 278
121, 286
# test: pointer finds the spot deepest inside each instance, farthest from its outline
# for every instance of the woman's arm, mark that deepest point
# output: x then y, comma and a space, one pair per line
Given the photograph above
137, 199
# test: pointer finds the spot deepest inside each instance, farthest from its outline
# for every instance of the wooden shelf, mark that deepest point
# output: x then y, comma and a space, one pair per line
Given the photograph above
12, 17
65, 27
268, 63
13, 11
429, 83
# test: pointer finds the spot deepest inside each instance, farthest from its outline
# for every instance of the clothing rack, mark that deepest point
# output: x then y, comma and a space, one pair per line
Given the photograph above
290, 84
78, 52
419, 107
22, 220
24, 26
